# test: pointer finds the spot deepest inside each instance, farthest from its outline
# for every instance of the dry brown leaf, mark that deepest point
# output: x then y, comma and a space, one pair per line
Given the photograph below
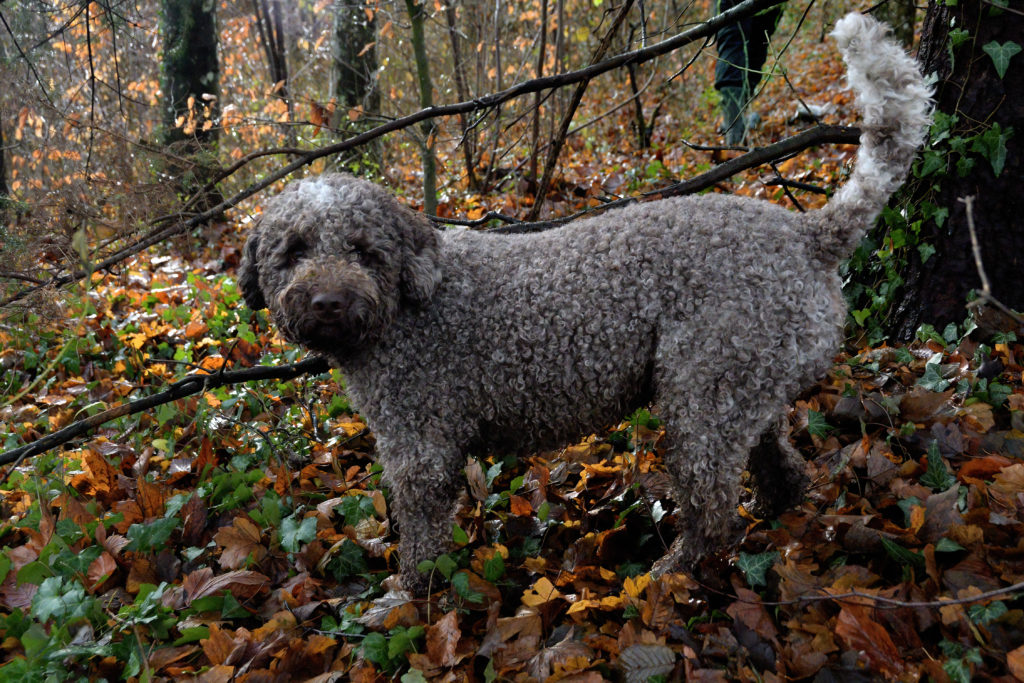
1015, 663
242, 584
240, 541
749, 611
541, 664
394, 608
525, 625
442, 640
860, 632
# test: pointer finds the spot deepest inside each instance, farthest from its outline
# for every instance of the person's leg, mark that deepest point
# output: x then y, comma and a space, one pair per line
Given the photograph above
730, 77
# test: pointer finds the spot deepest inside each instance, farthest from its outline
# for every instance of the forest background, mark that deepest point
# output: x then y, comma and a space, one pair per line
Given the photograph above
181, 498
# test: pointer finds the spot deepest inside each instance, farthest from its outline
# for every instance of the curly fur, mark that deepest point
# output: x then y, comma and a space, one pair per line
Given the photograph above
718, 309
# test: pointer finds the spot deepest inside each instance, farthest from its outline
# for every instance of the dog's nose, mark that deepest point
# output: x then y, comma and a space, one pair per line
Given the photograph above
329, 304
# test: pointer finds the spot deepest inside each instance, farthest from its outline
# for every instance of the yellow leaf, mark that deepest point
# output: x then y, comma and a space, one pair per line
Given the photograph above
635, 585
543, 591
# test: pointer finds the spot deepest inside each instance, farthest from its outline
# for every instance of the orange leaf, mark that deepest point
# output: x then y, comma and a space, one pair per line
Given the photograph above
1015, 662
150, 497
219, 646
102, 474
521, 507
984, 468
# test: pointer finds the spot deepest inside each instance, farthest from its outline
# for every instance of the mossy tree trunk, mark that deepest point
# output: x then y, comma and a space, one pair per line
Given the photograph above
190, 79
355, 57
3, 166
901, 15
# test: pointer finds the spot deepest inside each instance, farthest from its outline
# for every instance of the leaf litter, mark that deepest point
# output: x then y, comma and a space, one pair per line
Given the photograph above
245, 536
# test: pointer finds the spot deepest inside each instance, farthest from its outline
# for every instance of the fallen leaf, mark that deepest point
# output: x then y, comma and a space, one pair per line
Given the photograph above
860, 632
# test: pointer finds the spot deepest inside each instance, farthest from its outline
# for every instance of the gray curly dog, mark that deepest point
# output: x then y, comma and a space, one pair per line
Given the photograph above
716, 309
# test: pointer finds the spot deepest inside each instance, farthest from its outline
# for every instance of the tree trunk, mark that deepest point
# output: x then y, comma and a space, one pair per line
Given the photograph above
419, 46
981, 157
4, 192
354, 83
355, 57
901, 15
190, 68
469, 134
270, 23
190, 83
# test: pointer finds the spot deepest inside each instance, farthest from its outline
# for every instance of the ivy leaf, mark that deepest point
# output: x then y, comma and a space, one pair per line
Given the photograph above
756, 566
932, 379
1001, 54
931, 162
946, 545
816, 424
902, 555
58, 599
375, 648
983, 614
152, 535
937, 476
295, 533
992, 145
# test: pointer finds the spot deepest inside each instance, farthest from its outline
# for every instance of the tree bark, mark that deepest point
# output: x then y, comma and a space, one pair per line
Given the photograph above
469, 135
355, 57
419, 45
970, 89
4, 192
190, 66
190, 71
901, 15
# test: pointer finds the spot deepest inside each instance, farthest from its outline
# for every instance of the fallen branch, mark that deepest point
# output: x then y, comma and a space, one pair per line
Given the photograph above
703, 30
881, 601
187, 386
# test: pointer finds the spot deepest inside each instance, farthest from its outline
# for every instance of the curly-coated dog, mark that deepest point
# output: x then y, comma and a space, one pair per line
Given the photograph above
717, 309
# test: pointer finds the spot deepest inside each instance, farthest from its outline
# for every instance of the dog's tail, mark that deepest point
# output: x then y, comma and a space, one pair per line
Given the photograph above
896, 107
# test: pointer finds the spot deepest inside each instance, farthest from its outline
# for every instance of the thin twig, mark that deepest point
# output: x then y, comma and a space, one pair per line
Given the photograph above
985, 296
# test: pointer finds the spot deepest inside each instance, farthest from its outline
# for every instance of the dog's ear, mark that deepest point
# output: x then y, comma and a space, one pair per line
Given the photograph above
249, 274
421, 258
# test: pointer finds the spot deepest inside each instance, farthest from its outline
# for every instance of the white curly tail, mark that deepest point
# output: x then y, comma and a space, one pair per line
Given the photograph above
896, 107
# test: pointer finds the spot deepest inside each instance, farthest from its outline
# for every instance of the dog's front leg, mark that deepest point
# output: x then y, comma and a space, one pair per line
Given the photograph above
425, 481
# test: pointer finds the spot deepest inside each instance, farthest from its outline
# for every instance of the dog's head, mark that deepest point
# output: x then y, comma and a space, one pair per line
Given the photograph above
334, 257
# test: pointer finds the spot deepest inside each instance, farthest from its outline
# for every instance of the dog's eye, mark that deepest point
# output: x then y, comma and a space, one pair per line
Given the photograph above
294, 254
367, 257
